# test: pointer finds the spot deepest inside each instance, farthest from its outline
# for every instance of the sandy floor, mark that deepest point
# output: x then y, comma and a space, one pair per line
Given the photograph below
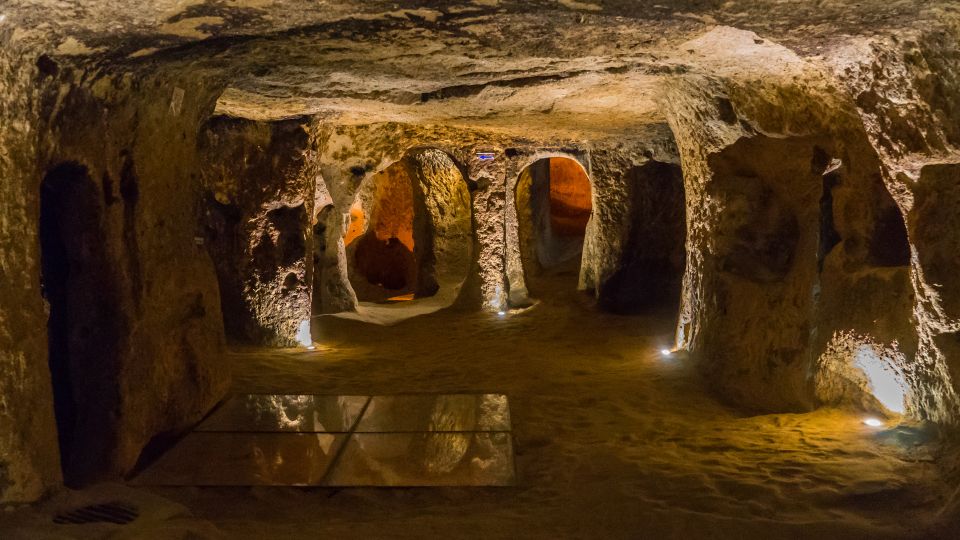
612, 441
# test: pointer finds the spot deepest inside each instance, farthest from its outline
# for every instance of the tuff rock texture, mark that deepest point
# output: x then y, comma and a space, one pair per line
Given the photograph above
29, 464
221, 162
260, 180
160, 294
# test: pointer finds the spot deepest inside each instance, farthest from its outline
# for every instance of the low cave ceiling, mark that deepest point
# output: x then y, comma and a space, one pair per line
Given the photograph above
573, 68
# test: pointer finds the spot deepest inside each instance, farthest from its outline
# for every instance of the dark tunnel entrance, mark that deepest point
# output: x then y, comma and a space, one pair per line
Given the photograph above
85, 323
651, 270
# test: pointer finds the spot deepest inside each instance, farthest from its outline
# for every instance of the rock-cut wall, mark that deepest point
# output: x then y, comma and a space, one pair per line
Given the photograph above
106, 162
160, 365
29, 461
803, 252
259, 182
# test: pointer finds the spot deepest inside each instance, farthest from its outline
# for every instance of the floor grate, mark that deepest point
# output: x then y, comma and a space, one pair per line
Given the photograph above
112, 512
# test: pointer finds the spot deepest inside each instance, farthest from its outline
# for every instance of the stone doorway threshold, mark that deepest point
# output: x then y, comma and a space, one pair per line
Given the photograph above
410, 440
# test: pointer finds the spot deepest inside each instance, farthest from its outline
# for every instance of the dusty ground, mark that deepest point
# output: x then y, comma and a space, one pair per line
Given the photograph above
612, 441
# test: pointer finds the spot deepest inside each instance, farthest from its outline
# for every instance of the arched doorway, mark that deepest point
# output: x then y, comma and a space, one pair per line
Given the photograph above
554, 202
380, 239
85, 325
410, 237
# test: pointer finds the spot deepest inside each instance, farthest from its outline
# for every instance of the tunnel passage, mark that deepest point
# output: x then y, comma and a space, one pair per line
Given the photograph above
865, 296
384, 265
85, 325
654, 254
554, 204
410, 233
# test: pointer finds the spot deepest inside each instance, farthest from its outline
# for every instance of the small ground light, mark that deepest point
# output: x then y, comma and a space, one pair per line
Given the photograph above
501, 313
872, 422
666, 352
311, 347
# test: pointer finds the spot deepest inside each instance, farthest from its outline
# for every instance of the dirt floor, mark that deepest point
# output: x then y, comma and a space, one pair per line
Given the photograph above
612, 439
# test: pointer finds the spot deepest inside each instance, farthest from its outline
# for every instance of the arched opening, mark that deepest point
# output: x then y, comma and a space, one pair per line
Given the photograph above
381, 243
554, 203
85, 325
653, 259
410, 235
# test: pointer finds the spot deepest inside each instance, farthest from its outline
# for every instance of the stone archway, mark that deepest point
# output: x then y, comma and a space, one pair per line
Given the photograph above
554, 203
409, 240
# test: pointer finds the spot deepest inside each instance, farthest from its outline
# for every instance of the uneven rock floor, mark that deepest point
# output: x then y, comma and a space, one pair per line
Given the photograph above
612, 441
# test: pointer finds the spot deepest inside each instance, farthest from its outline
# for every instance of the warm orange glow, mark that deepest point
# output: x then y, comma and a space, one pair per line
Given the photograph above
401, 298
393, 214
357, 222
570, 198
384, 254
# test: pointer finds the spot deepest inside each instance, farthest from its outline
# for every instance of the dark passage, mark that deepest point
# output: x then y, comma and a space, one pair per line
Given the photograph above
84, 324
654, 255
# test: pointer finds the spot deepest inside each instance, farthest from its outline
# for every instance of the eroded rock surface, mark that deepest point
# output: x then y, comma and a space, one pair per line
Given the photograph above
215, 160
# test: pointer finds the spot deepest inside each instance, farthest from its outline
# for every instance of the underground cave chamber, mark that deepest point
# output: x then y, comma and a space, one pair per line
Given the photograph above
604, 273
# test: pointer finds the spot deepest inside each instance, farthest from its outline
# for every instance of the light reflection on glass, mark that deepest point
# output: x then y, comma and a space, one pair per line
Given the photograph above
299, 413
426, 459
432, 413
295, 440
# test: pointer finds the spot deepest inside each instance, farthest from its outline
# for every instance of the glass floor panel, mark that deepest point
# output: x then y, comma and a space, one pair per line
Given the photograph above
245, 459
444, 412
306, 440
297, 413
425, 459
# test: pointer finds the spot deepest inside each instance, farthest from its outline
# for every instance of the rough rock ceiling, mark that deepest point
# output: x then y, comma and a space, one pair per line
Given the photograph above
568, 65
519, 25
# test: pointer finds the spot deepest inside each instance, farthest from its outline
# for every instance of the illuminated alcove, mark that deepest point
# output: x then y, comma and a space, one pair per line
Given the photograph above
380, 242
409, 240
554, 201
